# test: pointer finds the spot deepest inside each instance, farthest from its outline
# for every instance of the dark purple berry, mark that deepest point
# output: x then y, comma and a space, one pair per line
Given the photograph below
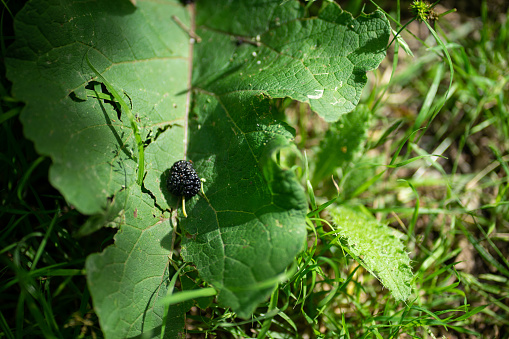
183, 180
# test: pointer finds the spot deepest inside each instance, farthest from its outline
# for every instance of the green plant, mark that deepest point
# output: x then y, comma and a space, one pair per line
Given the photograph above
116, 92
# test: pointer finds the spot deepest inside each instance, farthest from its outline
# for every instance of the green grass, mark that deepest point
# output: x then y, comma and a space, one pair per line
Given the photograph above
42, 264
451, 211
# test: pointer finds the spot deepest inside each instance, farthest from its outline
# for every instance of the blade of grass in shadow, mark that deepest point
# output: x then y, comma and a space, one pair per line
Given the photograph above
5, 327
9, 114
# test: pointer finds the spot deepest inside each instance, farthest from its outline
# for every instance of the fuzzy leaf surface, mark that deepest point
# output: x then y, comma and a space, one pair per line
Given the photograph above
249, 226
90, 143
272, 47
128, 278
377, 248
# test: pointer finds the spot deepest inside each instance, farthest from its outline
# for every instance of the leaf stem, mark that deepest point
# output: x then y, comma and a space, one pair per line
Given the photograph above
189, 31
184, 206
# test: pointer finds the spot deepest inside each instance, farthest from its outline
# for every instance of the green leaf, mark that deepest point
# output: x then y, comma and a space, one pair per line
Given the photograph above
342, 142
270, 47
377, 248
250, 224
128, 280
92, 143
94, 151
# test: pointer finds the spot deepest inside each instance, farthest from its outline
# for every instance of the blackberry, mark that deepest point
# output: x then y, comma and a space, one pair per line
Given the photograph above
183, 180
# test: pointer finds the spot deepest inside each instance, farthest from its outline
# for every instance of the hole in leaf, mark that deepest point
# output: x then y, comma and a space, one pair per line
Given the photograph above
75, 97
98, 90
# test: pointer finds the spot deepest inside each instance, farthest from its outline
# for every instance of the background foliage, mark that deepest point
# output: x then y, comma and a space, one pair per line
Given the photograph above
450, 211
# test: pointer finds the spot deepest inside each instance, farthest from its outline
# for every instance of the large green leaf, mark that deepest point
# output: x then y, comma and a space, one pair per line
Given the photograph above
377, 247
93, 151
92, 147
249, 225
321, 60
128, 280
